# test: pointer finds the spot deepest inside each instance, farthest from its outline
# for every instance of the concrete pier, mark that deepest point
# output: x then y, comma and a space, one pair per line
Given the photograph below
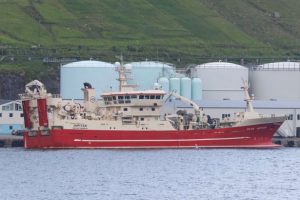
11, 141
287, 141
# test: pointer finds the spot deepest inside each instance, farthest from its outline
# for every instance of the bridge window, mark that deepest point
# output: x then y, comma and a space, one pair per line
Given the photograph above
115, 99
109, 98
121, 101
225, 116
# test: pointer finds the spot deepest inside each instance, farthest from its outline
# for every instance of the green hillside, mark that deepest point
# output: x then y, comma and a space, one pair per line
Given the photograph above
171, 30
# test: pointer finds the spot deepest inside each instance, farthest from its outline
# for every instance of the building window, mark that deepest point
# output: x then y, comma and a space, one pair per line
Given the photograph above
298, 117
18, 107
5, 107
10, 127
298, 132
0, 114
141, 109
153, 109
11, 114
125, 109
22, 115
290, 117
142, 118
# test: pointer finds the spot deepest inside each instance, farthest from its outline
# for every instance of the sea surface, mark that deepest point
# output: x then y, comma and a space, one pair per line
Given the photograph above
149, 174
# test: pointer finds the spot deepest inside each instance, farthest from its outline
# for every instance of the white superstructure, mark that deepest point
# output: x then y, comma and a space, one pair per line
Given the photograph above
225, 109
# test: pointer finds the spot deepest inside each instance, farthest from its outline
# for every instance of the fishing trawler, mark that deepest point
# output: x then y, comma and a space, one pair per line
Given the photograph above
129, 118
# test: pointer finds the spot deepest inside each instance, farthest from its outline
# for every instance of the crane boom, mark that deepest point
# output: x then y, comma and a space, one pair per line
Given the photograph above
197, 109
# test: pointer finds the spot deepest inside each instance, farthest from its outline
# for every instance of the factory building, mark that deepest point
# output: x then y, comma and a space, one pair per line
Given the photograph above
221, 80
276, 81
11, 116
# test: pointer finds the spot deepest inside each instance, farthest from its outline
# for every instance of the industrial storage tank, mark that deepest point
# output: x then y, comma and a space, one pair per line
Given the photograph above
186, 87
175, 85
276, 81
196, 89
164, 83
146, 73
221, 80
101, 75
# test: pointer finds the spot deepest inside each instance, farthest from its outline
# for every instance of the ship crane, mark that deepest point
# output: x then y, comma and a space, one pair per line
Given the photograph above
197, 109
200, 117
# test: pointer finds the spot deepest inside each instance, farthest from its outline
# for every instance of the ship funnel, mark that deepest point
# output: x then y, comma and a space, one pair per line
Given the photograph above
89, 95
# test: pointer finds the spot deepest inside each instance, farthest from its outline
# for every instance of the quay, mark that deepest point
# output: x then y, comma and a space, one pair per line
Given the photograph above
11, 141
17, 141
287, 141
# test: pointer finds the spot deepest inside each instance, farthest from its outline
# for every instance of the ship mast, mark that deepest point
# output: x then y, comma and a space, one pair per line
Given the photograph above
248, 99
249, 113
124, 76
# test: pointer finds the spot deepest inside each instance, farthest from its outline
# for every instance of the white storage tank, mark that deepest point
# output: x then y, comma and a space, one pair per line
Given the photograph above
164, 83
276, 81
146, 73
101, 75
175, 85
221, 80
186, 87
196, 89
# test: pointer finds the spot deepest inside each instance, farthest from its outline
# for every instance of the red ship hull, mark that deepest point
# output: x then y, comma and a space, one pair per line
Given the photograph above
254, 136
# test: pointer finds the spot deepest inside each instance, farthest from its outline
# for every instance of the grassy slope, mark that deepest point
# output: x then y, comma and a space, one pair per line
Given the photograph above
172, 28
